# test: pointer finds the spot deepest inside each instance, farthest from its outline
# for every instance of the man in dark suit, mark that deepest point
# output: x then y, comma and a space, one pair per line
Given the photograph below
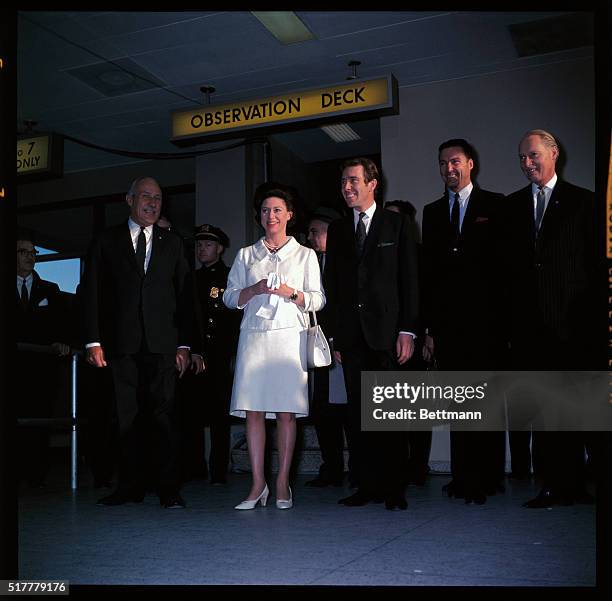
139, 316
551, 257
40, 319
329, 409
372, 297
219, 328
461, 306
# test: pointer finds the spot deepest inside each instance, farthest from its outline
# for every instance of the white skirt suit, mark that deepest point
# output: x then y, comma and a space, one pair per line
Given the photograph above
271, 370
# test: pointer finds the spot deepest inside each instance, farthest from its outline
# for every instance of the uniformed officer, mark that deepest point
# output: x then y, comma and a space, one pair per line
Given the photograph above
209, 397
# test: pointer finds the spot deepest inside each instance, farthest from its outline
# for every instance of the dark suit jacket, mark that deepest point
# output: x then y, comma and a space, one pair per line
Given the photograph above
219, 326
41, 324
551, 277
114, 290
462, 277
377, 294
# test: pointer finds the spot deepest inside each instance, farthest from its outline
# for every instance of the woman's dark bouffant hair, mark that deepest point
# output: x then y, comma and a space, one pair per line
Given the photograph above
274, 189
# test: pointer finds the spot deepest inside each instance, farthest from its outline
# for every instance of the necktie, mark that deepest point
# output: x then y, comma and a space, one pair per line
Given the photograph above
455, 216
540, 201
24, 293
141, 249
360, 234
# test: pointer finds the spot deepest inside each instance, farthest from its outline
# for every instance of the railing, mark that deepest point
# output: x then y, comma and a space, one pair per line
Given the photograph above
49, 350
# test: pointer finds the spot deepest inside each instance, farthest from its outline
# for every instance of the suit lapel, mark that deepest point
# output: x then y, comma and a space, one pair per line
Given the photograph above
126, 247
347, 234
553, 209
373, 233
36, 295
159, 239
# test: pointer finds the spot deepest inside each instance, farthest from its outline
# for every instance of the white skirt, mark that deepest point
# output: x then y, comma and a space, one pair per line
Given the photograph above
271, 373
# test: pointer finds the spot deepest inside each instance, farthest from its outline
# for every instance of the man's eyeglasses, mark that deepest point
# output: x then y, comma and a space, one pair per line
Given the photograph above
25, 251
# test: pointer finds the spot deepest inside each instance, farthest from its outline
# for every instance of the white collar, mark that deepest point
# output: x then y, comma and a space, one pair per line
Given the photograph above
134, 227
369, 212
549, 185
261, 252
464, 194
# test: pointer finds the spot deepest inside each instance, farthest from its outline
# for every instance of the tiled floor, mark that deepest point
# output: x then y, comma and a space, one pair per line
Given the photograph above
436, 542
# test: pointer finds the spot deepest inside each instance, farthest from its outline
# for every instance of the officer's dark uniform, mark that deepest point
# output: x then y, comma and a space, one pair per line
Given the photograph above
210, 392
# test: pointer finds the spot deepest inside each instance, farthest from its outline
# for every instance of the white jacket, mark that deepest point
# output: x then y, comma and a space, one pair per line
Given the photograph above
297, 267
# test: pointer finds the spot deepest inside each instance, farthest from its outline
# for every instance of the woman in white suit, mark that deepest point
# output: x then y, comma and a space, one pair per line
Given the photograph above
277, 282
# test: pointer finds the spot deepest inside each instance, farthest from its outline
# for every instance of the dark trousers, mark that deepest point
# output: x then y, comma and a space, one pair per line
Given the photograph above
205, 400
379, 458
561, 461
477, 458
558, 457
520, 452
99, 437
331, 425
144, 385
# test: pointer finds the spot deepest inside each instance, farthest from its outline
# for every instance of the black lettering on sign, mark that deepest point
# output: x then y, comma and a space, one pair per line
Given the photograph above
339, 97
31, 162
196, 121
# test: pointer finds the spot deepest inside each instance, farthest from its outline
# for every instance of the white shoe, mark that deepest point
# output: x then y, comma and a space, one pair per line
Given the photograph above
262, 498
282, 504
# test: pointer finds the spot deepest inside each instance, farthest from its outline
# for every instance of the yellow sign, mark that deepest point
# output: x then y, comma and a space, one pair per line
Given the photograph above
32, 154
276, 110
609, 206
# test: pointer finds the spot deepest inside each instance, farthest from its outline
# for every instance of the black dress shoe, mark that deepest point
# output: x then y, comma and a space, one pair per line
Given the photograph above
172, 501
120, 497
396, 502
356, 500
454, 489
547, 498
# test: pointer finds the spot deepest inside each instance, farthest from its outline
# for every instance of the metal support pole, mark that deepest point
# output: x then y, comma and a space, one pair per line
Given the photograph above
73, 442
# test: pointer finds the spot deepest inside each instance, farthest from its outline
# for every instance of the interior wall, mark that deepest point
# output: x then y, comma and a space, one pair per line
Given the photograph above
492, 112
101, 182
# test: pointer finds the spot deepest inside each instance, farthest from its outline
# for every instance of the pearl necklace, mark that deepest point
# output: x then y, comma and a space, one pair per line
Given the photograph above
274, 249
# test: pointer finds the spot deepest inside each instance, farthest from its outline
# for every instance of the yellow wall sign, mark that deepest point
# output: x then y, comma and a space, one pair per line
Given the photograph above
356, 96
32, 154
40, 156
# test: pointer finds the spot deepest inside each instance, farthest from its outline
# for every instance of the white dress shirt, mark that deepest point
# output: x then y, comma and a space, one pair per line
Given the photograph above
464, 198
28, 280
135, 232
548, 190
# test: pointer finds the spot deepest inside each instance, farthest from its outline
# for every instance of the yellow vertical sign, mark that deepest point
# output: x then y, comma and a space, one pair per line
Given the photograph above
609, 204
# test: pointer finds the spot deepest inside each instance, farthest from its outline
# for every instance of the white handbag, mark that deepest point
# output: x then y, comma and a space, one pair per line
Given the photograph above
319, 353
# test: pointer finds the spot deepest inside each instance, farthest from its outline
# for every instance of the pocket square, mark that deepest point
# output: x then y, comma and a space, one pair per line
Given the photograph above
382, 244
481, 219
43, 303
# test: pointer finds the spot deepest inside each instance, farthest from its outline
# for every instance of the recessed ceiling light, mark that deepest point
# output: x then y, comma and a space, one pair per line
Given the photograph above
341, 132
285, 26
